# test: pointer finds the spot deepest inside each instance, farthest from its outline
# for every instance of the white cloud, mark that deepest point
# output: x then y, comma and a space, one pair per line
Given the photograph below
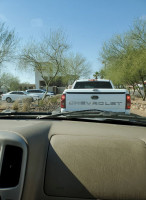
3, 18
143, 17
36, 22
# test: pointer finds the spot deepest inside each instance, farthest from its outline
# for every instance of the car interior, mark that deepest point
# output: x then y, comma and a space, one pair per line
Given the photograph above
71, 160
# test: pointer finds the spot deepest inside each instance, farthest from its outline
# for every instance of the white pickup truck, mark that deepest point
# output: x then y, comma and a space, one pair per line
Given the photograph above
98, 94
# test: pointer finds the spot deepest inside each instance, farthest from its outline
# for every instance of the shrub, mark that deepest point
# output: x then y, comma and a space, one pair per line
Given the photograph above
15, 105
26, 104
50, 103
27, 100
54, 99
25, 107
42, 102
3, 107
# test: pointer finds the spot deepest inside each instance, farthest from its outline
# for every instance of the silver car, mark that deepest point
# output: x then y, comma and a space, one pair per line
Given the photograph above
14, 95
38, 93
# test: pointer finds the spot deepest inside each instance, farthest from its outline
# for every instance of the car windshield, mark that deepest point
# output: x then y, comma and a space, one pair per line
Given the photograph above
72, 99
66, 56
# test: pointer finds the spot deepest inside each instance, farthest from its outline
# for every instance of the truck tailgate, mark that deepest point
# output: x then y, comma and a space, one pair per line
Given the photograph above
108, 100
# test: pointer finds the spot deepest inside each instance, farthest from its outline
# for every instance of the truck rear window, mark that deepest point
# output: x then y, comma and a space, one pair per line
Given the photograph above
93, 84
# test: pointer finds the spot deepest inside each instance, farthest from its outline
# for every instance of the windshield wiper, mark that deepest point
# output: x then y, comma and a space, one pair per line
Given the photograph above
78, 114
97, 114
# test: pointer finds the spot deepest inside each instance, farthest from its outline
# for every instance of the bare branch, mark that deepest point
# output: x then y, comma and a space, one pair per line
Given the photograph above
8, 44
46, 56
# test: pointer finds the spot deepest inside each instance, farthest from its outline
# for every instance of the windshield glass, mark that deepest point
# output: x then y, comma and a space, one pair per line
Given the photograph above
45, 46
95, 84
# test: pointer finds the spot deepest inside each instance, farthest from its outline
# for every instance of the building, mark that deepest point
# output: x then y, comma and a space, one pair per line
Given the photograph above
40, 84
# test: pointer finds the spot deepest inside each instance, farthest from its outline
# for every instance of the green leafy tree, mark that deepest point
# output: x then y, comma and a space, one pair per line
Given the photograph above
95, 75
124, 58
9, 82
102, 74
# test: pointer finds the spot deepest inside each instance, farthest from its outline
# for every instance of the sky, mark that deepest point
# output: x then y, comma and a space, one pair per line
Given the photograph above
86, 23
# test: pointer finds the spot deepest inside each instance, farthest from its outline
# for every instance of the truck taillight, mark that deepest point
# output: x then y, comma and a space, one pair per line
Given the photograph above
128, 101
63, 101
92, 79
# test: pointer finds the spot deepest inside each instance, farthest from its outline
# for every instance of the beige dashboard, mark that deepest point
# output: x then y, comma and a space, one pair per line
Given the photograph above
71, 160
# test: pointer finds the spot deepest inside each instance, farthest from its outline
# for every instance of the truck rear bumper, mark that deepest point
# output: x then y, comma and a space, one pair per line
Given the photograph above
127, 111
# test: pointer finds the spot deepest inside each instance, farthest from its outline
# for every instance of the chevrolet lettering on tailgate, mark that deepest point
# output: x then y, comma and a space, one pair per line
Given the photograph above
93, 103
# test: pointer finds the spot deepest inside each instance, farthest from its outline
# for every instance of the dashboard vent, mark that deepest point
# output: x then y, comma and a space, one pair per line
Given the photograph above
11, 166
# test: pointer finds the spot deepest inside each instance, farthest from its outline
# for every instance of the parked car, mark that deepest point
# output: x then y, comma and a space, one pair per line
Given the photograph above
38, 93
52, 93
14, 95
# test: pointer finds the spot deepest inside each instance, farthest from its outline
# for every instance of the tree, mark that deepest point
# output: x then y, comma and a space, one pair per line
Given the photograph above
8, 44
95, 75
76, 66
59, 82
124, 57
46, 56
9, 81
102, 73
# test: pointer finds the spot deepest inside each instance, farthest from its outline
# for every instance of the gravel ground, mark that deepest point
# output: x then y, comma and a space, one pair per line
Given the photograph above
138, 107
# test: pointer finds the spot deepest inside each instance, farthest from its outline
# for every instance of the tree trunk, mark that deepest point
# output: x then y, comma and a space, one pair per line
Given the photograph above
144, 87
144, 91
133, 89
45, 94
139, 91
